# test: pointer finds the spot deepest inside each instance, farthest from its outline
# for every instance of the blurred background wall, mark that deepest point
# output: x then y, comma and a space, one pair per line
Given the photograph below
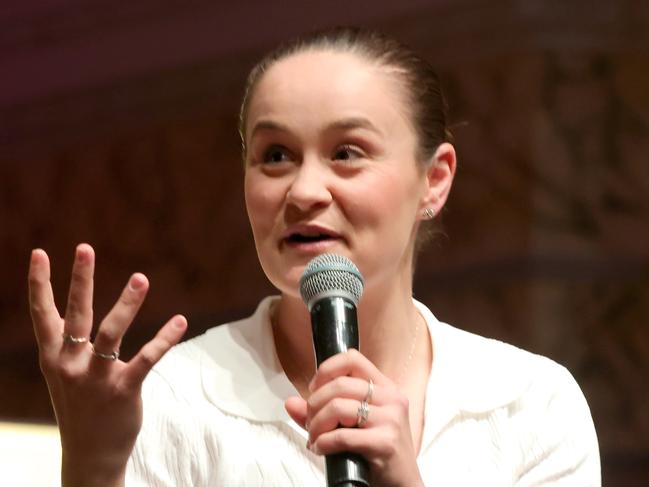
118, 128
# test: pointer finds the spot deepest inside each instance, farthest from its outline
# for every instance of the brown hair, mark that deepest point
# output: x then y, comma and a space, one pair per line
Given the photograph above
419, 80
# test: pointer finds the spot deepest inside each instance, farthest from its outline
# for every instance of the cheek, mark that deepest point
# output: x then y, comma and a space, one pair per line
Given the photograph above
385, 200
390, 213
263, 202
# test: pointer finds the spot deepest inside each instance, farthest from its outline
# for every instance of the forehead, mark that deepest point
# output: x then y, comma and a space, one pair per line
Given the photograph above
321, 86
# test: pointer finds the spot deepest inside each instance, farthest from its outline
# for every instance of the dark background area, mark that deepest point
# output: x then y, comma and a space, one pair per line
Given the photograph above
118, 128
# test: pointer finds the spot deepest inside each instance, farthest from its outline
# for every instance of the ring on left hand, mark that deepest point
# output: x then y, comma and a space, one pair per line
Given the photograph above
67, 338
106, 356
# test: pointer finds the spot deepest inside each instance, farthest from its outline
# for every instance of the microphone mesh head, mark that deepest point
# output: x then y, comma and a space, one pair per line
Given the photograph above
330, 275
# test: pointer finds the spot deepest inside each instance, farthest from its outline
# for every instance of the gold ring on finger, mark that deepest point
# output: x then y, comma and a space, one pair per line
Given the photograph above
67, 338
106, 356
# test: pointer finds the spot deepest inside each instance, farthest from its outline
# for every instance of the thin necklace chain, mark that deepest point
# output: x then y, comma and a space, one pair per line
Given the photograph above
413, 344
305, 377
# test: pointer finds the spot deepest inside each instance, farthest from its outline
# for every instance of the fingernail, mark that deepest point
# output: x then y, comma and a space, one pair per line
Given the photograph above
312, 447
137, 282
81, 255
311, 384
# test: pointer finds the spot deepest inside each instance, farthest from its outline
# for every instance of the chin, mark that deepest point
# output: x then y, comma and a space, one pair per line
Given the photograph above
285, 268
288, 289
285, 277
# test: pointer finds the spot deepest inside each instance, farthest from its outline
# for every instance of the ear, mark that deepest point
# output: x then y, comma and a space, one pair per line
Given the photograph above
439, 178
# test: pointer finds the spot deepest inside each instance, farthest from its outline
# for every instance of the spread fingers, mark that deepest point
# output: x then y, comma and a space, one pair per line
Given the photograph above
48, 325
78, 313
152, 352
114, 326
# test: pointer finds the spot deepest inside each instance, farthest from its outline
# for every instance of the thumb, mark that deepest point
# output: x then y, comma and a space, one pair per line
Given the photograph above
296, 408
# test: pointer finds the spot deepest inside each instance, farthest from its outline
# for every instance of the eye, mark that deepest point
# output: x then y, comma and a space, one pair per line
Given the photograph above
276, 154
347, 153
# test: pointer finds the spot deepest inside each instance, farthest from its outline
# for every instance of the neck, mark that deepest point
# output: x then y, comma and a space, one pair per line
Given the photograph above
388, 324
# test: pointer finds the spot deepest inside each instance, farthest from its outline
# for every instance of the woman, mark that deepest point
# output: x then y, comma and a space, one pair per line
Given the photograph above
346, 151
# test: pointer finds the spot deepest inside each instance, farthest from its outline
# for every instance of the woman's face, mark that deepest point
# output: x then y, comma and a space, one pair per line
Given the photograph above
331, 167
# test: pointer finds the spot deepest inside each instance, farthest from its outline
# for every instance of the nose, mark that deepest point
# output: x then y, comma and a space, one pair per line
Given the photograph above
309, 188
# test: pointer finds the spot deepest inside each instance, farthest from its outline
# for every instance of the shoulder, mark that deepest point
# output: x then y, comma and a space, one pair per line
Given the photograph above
532, 404
488, 373
495, 367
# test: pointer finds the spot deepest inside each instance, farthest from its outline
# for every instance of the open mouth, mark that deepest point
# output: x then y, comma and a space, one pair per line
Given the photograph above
303, 238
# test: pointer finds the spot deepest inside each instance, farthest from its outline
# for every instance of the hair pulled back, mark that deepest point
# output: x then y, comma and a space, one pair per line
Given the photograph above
418, 79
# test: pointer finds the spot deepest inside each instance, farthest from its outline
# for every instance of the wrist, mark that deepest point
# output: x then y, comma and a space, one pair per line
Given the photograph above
90, 474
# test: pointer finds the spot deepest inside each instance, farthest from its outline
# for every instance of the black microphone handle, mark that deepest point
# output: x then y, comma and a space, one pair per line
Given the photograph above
335, 330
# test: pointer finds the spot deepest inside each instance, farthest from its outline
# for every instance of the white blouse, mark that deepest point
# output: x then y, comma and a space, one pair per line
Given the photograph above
495, 415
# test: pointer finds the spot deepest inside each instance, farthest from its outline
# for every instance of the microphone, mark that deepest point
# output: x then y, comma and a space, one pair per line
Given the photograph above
331, 287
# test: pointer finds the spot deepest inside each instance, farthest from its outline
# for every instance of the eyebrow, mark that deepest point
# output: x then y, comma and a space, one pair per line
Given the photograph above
268, 125
342, 124
354, 123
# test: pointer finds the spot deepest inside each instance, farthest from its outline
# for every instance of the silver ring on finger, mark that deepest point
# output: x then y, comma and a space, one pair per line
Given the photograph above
362, 414
370, 391
114, 355
67, 338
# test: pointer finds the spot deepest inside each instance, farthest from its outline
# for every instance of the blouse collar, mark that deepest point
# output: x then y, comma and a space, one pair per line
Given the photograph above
242, 375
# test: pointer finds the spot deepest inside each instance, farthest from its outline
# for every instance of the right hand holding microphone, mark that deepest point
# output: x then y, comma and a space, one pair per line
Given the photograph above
96, 396
333, 419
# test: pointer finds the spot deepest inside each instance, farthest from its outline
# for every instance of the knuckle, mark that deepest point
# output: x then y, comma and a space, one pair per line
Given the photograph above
323, 369
108, 334
338, 385
148, 357
389, 444
402, 402
37, 309
350, 356
77, 279
73, 308
393, 423
339, 438
129, 298
66, 373
33, 279
122, 392
337, 406
75, 312
162, 345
